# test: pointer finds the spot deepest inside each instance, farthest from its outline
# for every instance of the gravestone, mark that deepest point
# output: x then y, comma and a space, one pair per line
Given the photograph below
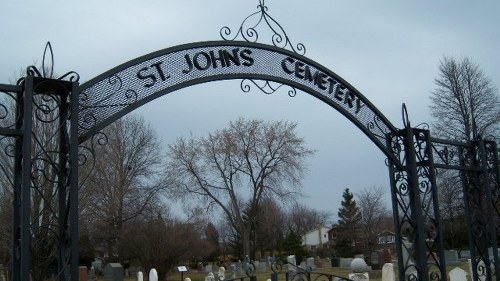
458, 274
253, 266
490, 253
92, 274
232, 268
318, 263
303, 265
222, 273
239, 267
376, 258
208, 268
464, 254
113, 272
358, 267
451, 257
140, 276
292, 263
210, 277
262, 267
388, 272
82, 273
310, 264
2, 274
386, 256
327, 263
345, 262
153, 275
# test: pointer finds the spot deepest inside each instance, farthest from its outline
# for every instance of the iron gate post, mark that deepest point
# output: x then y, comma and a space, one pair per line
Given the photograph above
21, 256
52, 103
73, 181
419, 239
418, 243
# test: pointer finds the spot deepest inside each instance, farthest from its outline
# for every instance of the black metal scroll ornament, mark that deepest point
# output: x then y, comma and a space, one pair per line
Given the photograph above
248, 32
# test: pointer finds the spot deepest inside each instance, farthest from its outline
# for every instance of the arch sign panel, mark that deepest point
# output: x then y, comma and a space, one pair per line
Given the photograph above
116, 92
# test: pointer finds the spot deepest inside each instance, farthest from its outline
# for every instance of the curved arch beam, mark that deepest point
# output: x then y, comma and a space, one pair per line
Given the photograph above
111, 95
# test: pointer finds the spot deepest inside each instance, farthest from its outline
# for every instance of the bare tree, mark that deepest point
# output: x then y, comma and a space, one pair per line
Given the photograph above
452, 210
465, 107
373, 210
464, 104
162, 242
302, 219
271, 227
234, 168
123, 181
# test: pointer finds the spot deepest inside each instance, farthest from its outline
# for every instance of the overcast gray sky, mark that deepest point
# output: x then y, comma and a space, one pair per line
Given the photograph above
388, 50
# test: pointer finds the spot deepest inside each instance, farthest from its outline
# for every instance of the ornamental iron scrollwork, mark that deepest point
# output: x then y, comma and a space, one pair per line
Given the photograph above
297, 273
248, 31
480, 187
267, 87
87, 157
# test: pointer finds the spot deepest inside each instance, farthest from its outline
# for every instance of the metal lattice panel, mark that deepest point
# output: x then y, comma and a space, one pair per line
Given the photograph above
120, 90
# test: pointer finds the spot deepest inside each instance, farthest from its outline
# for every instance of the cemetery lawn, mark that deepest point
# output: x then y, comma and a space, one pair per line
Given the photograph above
375, 275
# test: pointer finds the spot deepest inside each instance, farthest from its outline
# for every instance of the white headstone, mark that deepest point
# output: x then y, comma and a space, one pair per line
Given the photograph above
140, 276
210, 277
153, 275
458, 274
388, 272
292, 262
187, 279
222, 273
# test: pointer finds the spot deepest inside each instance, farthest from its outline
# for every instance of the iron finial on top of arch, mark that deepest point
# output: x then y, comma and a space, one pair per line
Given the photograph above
248, 30
48, 67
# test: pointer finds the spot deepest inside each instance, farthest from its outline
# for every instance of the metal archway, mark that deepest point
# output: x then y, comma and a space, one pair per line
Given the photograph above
81, 111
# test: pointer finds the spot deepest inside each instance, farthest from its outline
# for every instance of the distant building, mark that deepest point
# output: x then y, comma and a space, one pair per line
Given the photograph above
316, 239
386, 240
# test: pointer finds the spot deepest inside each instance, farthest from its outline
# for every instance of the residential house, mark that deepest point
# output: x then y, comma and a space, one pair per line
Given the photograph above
316, 239
386, 240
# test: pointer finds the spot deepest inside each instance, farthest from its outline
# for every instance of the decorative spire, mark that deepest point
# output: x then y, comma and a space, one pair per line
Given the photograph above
248, 30
48, 67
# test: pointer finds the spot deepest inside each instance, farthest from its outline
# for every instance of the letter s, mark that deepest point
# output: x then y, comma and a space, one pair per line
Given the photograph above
245, 55
141, 75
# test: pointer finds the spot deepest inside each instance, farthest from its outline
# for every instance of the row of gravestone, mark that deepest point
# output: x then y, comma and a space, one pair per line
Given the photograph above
114, 272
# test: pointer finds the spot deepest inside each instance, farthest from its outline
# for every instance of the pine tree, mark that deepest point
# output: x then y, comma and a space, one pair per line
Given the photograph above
292, 245
348, 226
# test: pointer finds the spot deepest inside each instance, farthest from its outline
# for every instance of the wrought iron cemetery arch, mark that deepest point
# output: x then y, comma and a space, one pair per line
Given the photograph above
83, 110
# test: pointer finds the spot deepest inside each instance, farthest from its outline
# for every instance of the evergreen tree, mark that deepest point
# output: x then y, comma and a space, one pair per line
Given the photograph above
348, 226
292, 245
